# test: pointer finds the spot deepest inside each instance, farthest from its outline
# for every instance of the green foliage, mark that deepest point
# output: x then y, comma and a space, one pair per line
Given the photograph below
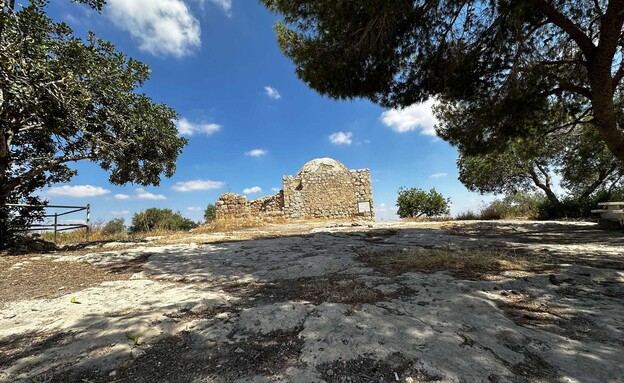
414, 203
114, 226
579, 156
210, 213
468, 215
523, 75
578, 207
516, 205
160, 219
64, 99
136, 340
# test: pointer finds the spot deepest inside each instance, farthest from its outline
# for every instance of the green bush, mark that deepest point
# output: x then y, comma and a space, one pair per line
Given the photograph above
516, 205
210, 213
575, 207
468, 215
160, 219
114, 226
415, 203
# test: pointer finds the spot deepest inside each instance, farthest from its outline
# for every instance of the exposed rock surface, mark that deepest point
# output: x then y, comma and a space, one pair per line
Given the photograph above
246, 311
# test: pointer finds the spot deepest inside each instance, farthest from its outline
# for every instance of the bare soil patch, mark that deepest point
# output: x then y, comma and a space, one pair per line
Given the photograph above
27, 277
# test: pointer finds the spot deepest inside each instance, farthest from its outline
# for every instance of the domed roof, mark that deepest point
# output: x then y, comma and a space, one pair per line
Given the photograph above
322, 165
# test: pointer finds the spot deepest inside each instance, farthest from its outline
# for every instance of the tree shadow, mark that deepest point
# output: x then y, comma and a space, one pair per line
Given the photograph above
358, 323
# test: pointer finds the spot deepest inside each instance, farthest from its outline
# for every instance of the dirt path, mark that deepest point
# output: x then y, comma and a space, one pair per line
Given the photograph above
491, 302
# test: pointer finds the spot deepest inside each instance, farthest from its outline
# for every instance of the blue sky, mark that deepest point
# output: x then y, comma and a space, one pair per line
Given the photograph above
248, 118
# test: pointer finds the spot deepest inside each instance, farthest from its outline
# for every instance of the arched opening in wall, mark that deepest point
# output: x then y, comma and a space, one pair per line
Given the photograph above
299, 186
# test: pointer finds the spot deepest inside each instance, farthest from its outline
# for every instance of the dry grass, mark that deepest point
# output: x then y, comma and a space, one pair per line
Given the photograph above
472, 264
223, 225
71, 237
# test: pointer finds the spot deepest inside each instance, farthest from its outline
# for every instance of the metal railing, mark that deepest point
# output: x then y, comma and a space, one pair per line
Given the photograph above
56, 226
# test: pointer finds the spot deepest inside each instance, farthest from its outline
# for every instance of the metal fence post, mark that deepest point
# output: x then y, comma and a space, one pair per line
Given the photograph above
55, 223
88, 214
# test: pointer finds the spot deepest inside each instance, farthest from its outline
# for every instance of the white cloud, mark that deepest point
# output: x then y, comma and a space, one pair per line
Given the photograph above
73, 221
143, 194
186, 186
256, 152
121, 196
225, 5
187, 128
272, 93
384, 212
78, 191
414, 117
194, 208
252, 190
274, 189
120, 212
161, 27
341, 138
438, 175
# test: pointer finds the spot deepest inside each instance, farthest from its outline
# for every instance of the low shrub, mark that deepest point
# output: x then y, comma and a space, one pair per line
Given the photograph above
210, 213
160, 219
468, 215
516, 205
114, 226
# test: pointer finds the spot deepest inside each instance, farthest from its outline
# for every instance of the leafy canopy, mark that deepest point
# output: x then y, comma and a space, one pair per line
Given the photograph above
581, 161
210, 214
114, 226
414, 203
503, 62
160, 219
64, 99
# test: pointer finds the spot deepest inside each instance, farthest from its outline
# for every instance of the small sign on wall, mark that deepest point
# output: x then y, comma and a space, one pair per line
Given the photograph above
364, 207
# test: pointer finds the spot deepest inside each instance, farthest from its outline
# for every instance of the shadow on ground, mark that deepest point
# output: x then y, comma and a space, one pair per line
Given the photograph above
306, 308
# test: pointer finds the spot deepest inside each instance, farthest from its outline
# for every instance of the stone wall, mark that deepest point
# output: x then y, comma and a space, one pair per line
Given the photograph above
323, 188
270, 206
232, 206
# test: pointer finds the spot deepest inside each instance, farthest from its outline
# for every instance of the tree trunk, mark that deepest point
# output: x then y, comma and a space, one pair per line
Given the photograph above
599, 65
605, 120
552, 197
4, 166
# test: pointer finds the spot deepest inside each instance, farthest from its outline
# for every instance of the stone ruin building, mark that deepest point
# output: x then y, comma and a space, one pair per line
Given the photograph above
323, 188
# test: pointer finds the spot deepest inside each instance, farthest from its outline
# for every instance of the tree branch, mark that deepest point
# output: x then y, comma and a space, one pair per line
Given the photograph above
40, 169
571, 29
601, 177
546, 188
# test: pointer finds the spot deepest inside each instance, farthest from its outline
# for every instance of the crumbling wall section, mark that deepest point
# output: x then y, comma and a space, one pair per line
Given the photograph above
236, 206
270, 206
232, 206
293, 199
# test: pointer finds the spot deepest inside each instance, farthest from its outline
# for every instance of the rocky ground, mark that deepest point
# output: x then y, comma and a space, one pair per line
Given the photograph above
323, 302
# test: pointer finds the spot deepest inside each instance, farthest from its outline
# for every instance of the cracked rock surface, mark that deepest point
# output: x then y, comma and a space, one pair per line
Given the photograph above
306, 307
